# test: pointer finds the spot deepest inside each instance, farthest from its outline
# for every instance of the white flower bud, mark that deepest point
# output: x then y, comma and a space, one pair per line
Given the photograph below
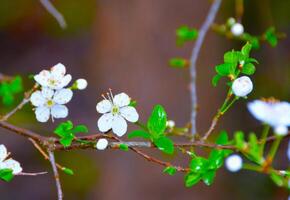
102, 144
234, 163
281, 130
242, 86
237, 29
81, 84
231, 21
170, 124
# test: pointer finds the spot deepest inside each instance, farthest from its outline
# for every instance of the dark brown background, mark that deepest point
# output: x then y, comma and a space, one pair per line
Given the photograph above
125, 45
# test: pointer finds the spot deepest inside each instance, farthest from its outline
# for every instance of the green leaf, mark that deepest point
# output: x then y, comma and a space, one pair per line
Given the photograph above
246, 49
170, 170
68, 171
67, 140
164, 144
124, 147
222, 138
157, 121
208, 177
198, 164
239, 140
80, 129
185, 34
178, 63
225, 69
16, 85
139, 133
216, 159
271, 37
6, 174
278, 180
248, 69
63, 128
191, 179
133, 103
216, 79
233, 57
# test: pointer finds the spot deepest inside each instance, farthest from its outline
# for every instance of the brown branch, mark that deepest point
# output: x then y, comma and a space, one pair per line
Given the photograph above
56, 175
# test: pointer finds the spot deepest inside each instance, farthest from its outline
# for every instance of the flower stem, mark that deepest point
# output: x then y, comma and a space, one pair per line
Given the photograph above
265, 133
273, 149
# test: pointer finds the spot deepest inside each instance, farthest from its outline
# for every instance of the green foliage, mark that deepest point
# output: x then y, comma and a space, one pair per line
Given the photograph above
235, 62
124, 147
68, 171
271, 37
6, 175
155, 129
133, 103
170, 170
185, 34
178, 63
205, 168
281, 180
66, 131
8, 89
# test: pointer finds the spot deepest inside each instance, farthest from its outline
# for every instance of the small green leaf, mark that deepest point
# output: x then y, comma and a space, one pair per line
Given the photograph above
80, 129
67, 140
133, 103
170, 170
199, 164
157, 121
222, 138
178, 63
246, 49
225, 69
216, 79
123, 147
139, 133
233, 57
278, 180
185, 34
6, 174
216, 159
208, 177
271, 37
164, 144
239, 140
68, 171
248, 69
63, 128
16, 85
191, 179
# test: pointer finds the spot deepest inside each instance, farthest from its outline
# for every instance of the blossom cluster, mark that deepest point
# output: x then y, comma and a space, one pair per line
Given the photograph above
8, 163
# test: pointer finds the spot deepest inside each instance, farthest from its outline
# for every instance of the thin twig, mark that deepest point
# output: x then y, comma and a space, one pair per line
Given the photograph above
54, 12
195, 53
31, 174
56, 175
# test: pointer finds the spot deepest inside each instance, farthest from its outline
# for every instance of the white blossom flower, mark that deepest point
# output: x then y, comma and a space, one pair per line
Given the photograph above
115, 110
49, 102
102, 144
81, 84
242, 86
274, 113
55, 78
8, 163
234, 163
237, 29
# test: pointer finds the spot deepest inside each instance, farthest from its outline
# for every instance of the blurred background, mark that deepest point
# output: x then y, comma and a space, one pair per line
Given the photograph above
125, 45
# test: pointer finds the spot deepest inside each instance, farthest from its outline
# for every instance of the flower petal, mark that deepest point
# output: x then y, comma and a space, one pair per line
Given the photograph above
12, 164
104, 106
119, 125
64, 81
3, 153
105, 122
37, 99
47, 92
42, 78
121, 100
59, 111
42, 114
62, 96
260, 110
58, 70
281, 110
129, 113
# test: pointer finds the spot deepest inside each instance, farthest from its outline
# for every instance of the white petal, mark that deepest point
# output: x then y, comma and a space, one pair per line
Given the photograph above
42, 78
281, 110
105, 122
62, 96
47, 92
281, 130
3, 153
121, 100
59, 111
42, 114
64, 81
129, 113
119, 125
260, 110
37, 99
104, 106
102, 144
58, 70
12, 164
81, 84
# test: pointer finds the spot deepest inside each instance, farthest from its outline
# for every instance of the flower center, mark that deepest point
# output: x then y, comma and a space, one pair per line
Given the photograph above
52, 82
49, 103
115, 110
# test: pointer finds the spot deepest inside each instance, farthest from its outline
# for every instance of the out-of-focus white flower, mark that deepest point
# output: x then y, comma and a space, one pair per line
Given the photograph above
274, 113
237, 29
170, 124
102, 144
81, 84
115, 110
242, 86
8, 163
55, 78
234, 163
49, 102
